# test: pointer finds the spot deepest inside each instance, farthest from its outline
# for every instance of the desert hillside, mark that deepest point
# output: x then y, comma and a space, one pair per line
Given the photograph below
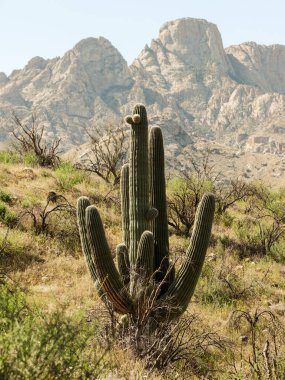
48, 298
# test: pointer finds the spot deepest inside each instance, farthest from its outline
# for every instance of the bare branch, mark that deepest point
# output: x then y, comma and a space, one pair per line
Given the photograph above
29, 139
107, 153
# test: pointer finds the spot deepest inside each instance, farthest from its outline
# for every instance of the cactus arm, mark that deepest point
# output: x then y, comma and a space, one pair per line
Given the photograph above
159, 225
182, 288
123, 263
125, 204
145, 259
105, 268
82, 204
144, 266
139, 198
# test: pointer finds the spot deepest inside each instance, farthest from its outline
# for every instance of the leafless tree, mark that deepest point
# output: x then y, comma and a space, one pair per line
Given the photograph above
107, 154
181, 210
266, 212
55, 203
194, 181
30, 139
266, 336
229, 194
199, 177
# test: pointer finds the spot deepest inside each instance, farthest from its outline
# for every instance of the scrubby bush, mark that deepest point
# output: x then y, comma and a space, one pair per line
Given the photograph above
68, 176
261, 354
183, 200
185, 192
3, 209
108, 151
29, 159
224, 282
260, 228
37, 345
10, 218
6, 216
5, 197
9, 157
31, 143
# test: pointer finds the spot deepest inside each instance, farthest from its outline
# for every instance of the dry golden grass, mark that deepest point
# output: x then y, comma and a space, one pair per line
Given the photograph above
55, 273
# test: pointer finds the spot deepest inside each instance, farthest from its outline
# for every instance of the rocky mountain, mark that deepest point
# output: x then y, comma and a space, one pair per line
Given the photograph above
193, 87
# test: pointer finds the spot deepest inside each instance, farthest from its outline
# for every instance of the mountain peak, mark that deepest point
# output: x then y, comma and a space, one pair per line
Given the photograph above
195, 41
92, 43
191, 85
184, 21
36, 63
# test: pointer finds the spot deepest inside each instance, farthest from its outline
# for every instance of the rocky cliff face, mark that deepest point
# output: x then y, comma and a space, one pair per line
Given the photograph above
70, 93
260, 66
192, 86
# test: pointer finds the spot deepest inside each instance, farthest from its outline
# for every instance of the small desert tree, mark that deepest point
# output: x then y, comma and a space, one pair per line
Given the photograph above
228, 194
186, 191
107, 152
55, 204
262, 228
29, 138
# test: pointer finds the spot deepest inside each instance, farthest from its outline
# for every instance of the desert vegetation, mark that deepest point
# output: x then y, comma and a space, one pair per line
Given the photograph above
29, 140
107, 152
53, 323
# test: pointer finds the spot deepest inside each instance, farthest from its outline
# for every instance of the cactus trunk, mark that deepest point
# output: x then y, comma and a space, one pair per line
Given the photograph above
139, 195
125, 204
159, 225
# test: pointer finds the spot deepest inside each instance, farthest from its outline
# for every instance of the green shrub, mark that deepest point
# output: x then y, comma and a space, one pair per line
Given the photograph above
12, 306
260, 229
248, 235
225, 219
30, 159
25, 203
8, 157
3, 210
46, 173
67, 176
10, 218
37, 345
7, 216
224, 283
222, 244
5, 197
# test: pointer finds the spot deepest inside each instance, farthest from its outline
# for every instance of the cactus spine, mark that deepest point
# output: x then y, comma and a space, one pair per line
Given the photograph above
144, 255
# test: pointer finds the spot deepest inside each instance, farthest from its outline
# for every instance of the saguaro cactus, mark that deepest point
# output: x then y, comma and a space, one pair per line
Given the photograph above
143, 257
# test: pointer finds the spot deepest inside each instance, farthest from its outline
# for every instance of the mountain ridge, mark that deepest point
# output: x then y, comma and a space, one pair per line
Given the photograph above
192, 86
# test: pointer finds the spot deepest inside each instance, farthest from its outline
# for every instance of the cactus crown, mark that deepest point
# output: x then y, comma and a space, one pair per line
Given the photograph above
143, 257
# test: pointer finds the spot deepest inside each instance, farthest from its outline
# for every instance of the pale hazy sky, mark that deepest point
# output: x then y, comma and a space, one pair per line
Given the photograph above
48, 28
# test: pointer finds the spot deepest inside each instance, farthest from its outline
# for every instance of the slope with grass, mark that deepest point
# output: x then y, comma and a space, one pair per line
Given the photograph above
53, 325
